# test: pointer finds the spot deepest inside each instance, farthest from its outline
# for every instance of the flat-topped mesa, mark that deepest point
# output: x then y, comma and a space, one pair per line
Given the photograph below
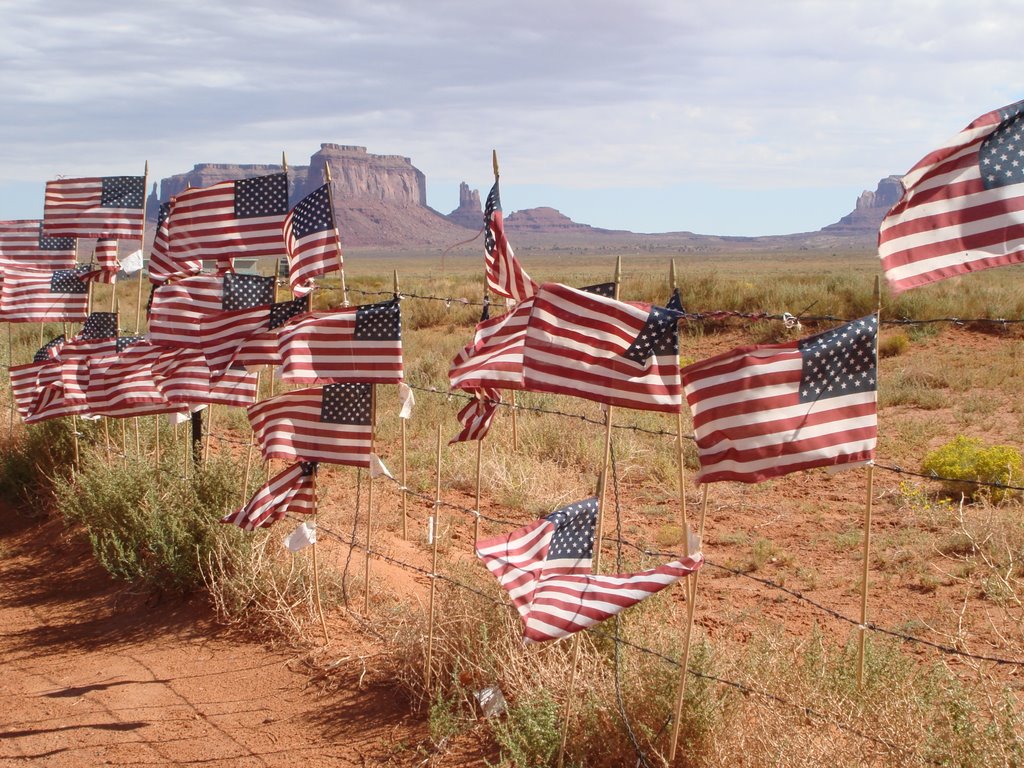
470, 213
543, 219
207, 174
357, 174
871, 208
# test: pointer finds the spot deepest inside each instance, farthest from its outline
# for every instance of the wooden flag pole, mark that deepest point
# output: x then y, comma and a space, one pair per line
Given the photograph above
862, 630
124, 444
369, 500
476, 509
156, 443
434, 529
337, 237
142, 246
10, 362
405, 460
568, 701
316, 567
691, 607
515, 424
248, 453
209, 433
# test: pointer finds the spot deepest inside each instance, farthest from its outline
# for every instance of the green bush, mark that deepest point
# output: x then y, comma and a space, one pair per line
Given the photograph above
30, 463
967, 458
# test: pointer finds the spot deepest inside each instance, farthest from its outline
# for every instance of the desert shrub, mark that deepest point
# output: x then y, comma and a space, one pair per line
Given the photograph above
967, 458
30, 464
531, 733
893, 345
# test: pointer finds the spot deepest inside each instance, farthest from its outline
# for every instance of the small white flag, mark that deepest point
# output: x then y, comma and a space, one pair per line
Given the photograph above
406, 398
301, 537
377, 468
132, 263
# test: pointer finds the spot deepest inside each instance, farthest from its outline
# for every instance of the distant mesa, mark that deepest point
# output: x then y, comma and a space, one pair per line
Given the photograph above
871, 208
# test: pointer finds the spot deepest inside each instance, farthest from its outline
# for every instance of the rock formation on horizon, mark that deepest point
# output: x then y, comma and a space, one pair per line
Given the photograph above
870, 209
470, 213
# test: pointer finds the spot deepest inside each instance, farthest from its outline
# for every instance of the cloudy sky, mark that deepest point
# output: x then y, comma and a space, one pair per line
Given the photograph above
715, 116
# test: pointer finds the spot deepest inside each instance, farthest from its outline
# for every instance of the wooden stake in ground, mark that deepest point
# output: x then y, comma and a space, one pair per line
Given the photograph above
369, 501
337, 238
435, 529
248, 453
316, 567
209, 433
10, 362
476, 509
142, 245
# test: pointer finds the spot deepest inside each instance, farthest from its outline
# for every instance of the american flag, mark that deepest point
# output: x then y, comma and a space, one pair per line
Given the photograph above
233, 218
105, 206
105, 258
962, 208
765, 411
546, 569
601, 289
494, 360
590, 346
37, 295
675, 301
162, 268
505, 275
183, 376
30, 380
291, 491
353, 344
36, 402
331, 424
311, 237
22, 242
98, 338
125, 384
477, 415
178, 308
226, 333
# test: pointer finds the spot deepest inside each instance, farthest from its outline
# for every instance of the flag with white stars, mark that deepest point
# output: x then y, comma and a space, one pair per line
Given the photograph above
95, 207
675, 301
962, 208
30, 295
183, 376
124, 385
177, 308
311, 237
505, 275
162, 267
243, 217
49, 351
615, 352
292, 491
764, 411
476, 416
546, 569
350, 344
22, 242
332, 424
601, 289
226, 335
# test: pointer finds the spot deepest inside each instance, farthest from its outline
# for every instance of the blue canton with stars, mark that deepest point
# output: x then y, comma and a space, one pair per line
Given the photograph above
283, 311
659, 336
574, 530
54, 243
313, 214
379, 322
492, 205
309, 468
346, 404
1001, 156
246, 291
261, 196
601, 289
123, 191
42, 354
69, 281
123, 342
99, 325
839, 362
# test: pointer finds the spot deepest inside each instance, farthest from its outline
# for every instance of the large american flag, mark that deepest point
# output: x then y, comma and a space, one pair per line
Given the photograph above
962, 208
546, 569
183, 376
233, 218
94, 207
353, 344
162, 267
494, 359
22, 242
178, 308
125, 384
764, 411
331, 424
291, 491
38, 295
597, 348
505, 275
311, 238
476, 416
223, 335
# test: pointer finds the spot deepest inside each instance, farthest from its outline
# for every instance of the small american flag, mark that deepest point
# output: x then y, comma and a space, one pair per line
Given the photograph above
354, 344
22, 242
37, 402
505, 275
962, 208
105, 258
94, 207
546, 569
291, 491
494, 359
162, 268
125, 384
477, 415
223, 335
331, 424
183, 376
37, 295
178, 308
311, 237
232, 218
765, 411
614, 352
